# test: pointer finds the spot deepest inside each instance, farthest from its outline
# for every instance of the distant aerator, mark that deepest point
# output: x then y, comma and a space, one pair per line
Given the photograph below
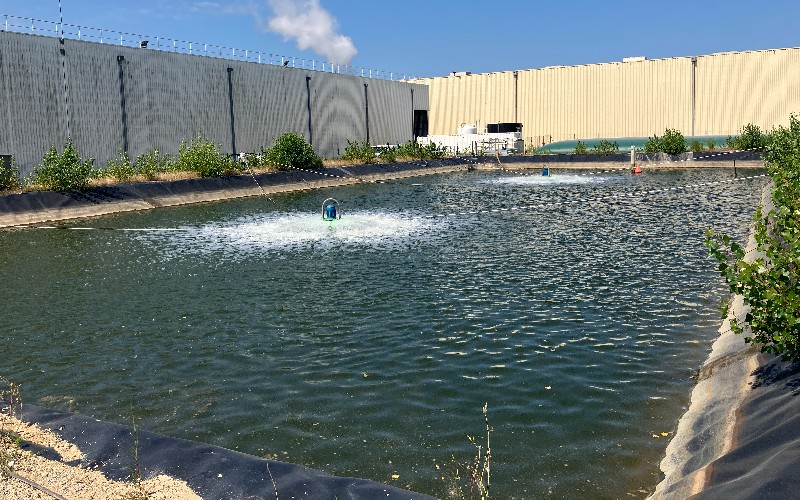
330, 210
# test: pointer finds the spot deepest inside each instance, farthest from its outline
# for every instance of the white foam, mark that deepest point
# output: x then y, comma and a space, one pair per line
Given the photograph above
544, 180
275, 231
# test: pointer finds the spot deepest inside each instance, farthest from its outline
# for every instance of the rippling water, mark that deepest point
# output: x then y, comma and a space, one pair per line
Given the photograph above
579, 310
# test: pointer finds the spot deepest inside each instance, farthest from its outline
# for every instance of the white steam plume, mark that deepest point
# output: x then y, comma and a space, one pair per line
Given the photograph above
313, 27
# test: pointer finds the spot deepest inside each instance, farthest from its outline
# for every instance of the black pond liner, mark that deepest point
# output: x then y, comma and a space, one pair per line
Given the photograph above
211, 471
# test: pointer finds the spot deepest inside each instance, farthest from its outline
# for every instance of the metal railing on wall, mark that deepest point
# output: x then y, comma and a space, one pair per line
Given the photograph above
19, 24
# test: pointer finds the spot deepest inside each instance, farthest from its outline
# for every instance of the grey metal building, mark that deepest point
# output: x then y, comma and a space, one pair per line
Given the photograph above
111, 98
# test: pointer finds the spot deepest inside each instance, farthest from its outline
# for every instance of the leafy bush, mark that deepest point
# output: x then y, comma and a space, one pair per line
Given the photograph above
203, 157
769, 283
256, 159
606, 147
9, 176
151, 163
750, 138
65, 171
360, 152
415, 151
711, 145
291, 150
120, 168
652, 145
389, 154
673, 142
696, 146
580, 148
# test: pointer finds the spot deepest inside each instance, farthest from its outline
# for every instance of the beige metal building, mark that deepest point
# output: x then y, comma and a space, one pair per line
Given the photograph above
714, 94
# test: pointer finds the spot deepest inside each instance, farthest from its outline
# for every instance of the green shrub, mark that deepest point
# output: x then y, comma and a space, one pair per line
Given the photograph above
9, 176
711, 145
652, 145
120, 168
151, 163
360, 152
411, 149
65, 171
388, 155
750, 138
673, 142
769, 283
433, 151
696, 146
203, 157
256, 159
291, 150
606, 147
580, 148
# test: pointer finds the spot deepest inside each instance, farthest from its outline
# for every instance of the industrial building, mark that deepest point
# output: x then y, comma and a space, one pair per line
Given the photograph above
130, 97
109, 98
713, 94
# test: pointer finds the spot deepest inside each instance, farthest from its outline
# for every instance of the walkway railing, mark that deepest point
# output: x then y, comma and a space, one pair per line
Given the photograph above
78, 32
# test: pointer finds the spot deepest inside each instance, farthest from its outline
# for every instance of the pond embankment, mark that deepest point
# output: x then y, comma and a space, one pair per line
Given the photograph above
37, 207
740, 437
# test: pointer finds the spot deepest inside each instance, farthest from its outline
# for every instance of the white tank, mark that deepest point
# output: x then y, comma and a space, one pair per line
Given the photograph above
467, 128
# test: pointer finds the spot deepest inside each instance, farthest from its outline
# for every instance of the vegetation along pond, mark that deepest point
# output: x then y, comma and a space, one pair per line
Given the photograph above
579, 311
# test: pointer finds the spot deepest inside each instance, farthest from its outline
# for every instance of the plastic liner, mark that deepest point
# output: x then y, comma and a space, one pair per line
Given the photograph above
763, 462
211, 471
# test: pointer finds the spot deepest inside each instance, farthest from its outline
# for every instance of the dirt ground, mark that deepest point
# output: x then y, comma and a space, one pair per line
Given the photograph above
35, 463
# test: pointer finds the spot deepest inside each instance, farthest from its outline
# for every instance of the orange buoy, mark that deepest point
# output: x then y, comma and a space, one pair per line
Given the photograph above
636, 169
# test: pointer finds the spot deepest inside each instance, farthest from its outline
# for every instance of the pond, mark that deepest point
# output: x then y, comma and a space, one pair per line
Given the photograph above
577, 306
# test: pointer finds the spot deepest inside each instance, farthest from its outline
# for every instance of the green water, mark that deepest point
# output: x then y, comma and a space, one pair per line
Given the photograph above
366, 347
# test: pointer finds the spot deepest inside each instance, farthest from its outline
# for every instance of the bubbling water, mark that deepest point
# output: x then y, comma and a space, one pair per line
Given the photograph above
535, 180
280, 231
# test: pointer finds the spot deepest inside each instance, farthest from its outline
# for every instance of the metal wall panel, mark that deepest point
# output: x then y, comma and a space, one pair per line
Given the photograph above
737, 88
630, 99
33, 116
171, 97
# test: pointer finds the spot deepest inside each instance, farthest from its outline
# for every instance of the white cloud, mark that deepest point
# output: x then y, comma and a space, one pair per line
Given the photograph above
304, 21
312, 27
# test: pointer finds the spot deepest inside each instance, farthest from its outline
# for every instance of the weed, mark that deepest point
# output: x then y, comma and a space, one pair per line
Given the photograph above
478, 470
151, 163
9, 442
64, 171
361, 152
580, 148
9, 176
606, 147
136, 467
120, 168
203, 156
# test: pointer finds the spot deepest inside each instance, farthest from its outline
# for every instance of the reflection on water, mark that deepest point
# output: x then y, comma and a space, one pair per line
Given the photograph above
367, 346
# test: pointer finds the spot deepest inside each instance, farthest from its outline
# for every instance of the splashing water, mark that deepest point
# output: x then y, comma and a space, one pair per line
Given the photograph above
275, 231
552, 179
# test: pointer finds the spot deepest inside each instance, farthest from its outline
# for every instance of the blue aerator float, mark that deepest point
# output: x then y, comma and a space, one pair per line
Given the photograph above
545, 172
330, 210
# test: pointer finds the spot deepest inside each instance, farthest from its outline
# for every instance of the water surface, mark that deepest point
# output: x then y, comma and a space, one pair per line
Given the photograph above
577, 306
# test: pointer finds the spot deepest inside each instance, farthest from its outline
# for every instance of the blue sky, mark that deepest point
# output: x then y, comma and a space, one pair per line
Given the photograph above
433, 38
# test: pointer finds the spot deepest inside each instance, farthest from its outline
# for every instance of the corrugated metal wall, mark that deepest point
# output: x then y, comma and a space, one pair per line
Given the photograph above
631, 99
173, 97
737, 88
